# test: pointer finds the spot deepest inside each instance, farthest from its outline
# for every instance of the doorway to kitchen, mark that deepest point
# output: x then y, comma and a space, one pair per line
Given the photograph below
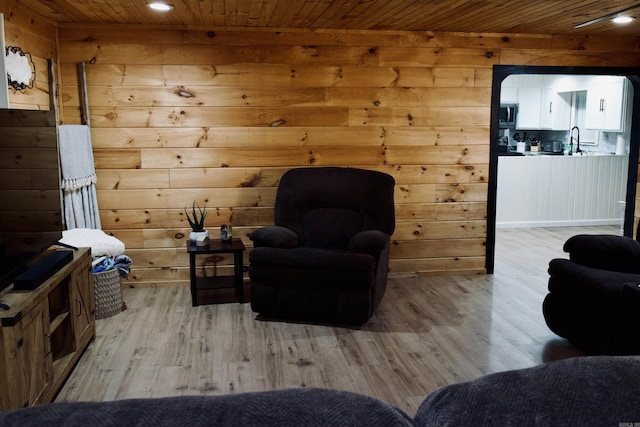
502, 80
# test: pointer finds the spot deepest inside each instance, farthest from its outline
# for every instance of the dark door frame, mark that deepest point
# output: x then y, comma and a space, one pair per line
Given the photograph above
500, 72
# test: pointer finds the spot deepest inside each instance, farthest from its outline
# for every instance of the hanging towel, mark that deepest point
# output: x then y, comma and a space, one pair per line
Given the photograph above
76, 157
78, 177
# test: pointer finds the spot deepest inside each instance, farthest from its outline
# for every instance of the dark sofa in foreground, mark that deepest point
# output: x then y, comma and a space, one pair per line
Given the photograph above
584, 391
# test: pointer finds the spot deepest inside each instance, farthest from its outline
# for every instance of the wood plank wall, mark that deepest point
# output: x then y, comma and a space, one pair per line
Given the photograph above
31, 218
38, 37
216, 116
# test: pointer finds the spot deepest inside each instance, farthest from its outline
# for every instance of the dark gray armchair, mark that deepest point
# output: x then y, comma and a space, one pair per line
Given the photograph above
594, 296
326, 258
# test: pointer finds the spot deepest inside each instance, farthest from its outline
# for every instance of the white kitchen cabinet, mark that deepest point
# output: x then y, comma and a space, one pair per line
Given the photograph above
543, 108
607, 104
555, 110
529, 104
508, 95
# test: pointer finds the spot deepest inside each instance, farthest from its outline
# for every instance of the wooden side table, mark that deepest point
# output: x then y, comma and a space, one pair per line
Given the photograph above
201, 285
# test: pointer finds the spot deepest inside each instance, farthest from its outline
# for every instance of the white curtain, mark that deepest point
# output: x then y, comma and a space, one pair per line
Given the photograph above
78, 177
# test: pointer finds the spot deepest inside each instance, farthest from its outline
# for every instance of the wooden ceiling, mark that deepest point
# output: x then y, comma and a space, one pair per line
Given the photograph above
486, 16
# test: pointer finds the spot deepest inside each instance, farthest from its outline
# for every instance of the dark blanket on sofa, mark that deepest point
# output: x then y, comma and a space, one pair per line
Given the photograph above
290, 407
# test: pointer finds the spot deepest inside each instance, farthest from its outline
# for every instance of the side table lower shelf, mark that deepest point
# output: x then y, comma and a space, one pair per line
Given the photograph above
217, 289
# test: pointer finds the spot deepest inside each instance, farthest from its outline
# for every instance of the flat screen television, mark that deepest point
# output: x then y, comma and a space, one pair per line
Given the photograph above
30, 197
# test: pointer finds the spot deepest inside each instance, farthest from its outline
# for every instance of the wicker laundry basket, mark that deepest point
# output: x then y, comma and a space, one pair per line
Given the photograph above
108, 293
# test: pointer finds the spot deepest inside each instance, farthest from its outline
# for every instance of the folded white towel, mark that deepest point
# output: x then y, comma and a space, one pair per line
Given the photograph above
101, 243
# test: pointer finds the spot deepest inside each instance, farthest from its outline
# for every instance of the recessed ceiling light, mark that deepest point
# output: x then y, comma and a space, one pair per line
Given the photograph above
623, 19
160, 6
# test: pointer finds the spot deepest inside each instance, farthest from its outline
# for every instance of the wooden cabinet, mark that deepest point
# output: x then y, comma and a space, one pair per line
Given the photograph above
44, 332
83, 308
32, 349
607, 104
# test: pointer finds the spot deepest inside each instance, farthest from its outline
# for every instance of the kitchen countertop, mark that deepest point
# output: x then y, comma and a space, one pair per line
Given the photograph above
547, 154
585, 154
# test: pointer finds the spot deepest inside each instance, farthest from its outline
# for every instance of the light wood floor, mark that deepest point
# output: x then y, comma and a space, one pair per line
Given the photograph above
427, 333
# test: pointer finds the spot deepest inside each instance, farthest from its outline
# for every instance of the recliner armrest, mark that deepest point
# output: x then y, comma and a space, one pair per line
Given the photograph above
274, 236
606, 252
370, 242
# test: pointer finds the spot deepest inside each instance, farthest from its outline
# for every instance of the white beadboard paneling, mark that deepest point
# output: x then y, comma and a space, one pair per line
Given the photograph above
547, 191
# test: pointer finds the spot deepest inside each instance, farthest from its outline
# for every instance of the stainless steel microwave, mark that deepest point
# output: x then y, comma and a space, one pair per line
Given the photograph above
508, 114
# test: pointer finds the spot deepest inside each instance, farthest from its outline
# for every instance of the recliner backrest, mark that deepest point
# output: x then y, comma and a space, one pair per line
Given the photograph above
325, 206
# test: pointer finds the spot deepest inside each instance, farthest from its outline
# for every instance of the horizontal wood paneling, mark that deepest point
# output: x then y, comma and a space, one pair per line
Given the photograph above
438, 57
418, 116
273, 75
30, 191
141, 117
227, 137
139, 52
289, 37
165, 198
570, 58
206, 96
174, 218
437, 266
183, 115
34, 35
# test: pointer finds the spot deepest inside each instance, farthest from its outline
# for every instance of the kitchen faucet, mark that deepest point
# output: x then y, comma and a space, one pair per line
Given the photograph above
578, 150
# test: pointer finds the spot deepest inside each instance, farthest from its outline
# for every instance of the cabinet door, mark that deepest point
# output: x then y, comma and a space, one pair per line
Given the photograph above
547, 108
613, 106
34, 353
82, 303
561, 111
508, 95
606, 105
594, 113
555, 110
529, 99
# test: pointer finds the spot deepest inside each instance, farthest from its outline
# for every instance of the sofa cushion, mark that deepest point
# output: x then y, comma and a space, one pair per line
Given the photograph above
290, 407
275, 237
583, 391
311, 267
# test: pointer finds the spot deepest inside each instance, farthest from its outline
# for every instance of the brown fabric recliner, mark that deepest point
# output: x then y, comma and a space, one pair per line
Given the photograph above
326, 258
